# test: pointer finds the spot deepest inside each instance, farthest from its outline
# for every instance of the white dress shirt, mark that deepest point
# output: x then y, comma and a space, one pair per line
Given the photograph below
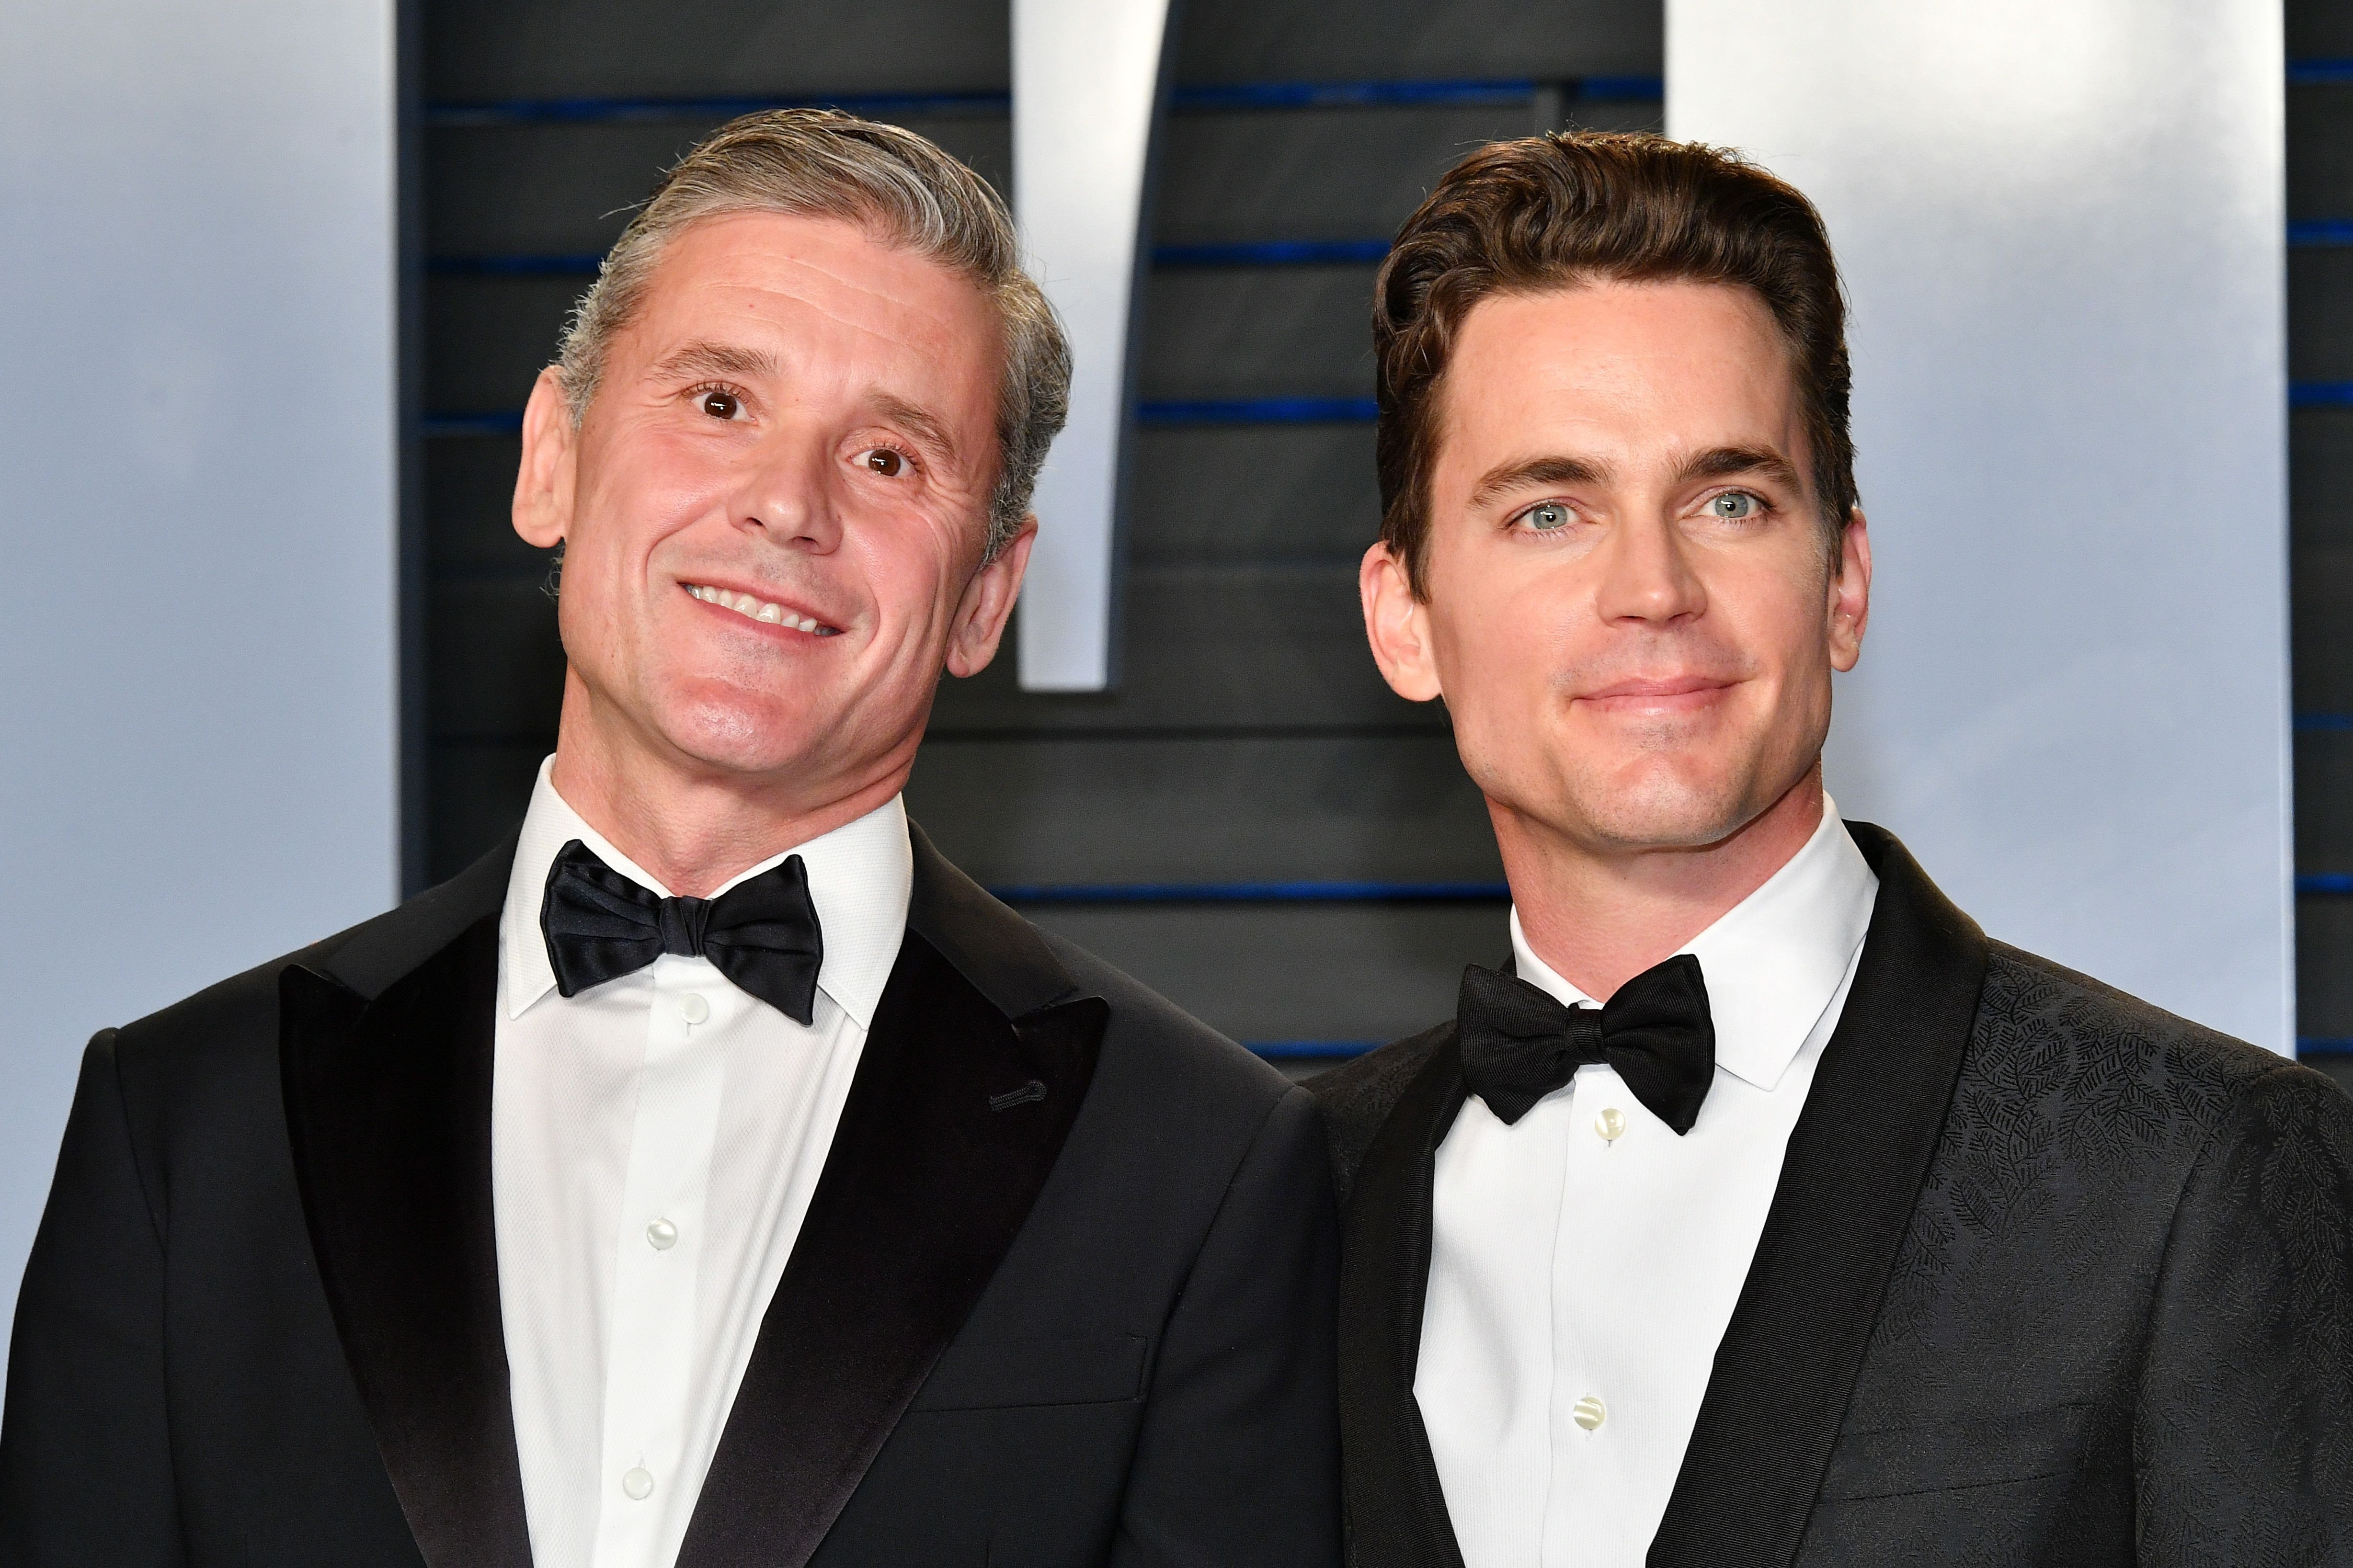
1580, 1282
654, 1143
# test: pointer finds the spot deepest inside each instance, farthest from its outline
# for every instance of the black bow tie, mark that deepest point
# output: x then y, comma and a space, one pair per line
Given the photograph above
762, 934
1519, 1044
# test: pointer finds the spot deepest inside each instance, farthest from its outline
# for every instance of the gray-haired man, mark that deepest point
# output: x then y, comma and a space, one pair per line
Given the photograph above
712, 1174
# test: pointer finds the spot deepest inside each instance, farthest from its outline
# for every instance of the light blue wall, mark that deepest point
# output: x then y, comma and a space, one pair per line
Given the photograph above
2063, 229
197, 667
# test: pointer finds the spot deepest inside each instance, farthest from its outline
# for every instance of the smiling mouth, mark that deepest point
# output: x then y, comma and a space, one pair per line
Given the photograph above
1683, 694
760, 610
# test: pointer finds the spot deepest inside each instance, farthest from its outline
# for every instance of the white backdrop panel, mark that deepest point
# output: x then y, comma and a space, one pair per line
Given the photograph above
2063, 230
197, 667
1086, 76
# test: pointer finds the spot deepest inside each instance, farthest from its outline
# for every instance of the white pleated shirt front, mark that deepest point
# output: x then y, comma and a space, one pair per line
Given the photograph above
1573, 1273
654, 1144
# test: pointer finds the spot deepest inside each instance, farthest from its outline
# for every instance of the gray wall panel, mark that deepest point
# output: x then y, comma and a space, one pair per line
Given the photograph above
1243, 40
556, 49
2320, 312
2324, 786
1256, 331
495, 670
1287, 971
1193, 809
2321, 478
479, 789
509, 326
2319, 29
2322, 607
1264, 492
2324, 979
2320, 143
541, 188
468, 503
1214, 646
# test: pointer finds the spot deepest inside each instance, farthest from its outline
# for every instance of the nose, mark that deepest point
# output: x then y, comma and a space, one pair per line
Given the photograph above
1647, 576
786, 494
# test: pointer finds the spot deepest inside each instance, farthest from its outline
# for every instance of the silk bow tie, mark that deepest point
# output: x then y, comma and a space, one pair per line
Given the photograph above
1519, 1044
762, 934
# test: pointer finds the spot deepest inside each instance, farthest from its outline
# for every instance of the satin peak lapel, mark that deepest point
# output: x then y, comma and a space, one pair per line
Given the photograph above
1396, 1506
388, 1112
952, 1124
1850, 1181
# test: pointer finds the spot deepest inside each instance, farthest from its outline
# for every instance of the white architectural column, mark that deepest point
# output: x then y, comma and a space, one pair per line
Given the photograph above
197, 662
1086, 78
2063, 229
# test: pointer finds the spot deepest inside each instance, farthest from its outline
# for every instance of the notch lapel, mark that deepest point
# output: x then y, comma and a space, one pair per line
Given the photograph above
388, 1113
1849, 1183
1396, 1506
971, 1078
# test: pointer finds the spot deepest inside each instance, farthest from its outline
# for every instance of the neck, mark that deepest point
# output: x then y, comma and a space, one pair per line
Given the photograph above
1600, 916
692, 825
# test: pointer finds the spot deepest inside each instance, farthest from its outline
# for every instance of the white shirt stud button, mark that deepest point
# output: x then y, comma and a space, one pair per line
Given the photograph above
1587, 1413
693, 1007
1609, 1124
638, 1484
663, 1235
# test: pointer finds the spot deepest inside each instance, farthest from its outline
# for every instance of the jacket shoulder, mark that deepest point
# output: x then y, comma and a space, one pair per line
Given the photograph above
2035, 1014
1175, 1052
2116, 1088
1357, 1098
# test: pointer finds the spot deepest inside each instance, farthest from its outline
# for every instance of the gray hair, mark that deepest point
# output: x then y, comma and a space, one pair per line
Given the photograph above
818, 162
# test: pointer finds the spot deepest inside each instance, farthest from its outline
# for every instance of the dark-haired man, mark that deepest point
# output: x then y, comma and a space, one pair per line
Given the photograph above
712, 1176
1760, 1210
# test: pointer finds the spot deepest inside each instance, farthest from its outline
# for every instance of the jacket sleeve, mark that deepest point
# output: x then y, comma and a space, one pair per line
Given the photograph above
85, 1456
1238, 1461
2243, 1434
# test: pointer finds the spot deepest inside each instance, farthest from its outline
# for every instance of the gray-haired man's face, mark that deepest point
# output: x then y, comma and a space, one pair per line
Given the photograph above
773, 511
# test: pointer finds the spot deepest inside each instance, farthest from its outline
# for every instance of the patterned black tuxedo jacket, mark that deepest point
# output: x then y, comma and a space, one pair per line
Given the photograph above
2051, 1277
1063, 1295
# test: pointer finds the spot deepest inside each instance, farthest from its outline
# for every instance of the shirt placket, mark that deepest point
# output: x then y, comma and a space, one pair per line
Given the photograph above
1584, 1505
650, 1356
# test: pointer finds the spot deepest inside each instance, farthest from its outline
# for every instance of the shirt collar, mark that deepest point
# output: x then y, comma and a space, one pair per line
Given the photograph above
861, 875
1774, 960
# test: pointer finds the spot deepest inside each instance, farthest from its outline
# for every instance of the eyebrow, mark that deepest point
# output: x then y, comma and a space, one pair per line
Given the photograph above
925, 426
1727, 462
1522, 473
708, 358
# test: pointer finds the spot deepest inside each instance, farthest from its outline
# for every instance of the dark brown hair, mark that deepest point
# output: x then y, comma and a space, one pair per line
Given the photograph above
1553, 212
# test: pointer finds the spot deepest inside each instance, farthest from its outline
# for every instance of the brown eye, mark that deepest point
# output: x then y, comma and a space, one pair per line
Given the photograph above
722, 404
885, 462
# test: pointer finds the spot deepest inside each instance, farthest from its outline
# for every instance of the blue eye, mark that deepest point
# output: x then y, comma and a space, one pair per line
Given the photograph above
1737, 505
1546, 516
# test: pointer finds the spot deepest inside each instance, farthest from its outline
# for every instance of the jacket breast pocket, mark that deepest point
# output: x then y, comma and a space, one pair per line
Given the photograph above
1005, 1374
1956, 1452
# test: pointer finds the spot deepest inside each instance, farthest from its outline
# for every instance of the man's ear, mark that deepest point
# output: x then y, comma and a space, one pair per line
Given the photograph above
1849, 592
544, 485
988, 603
1397, 624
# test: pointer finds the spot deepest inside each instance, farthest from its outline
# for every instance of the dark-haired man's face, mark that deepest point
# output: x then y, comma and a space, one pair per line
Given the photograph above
1630, 610
774, 512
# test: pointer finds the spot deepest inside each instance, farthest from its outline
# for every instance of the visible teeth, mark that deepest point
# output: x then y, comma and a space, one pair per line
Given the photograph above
757, 609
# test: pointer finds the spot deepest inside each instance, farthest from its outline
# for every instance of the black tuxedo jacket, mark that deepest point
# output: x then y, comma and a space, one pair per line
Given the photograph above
1065, 1293
2051, 1276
